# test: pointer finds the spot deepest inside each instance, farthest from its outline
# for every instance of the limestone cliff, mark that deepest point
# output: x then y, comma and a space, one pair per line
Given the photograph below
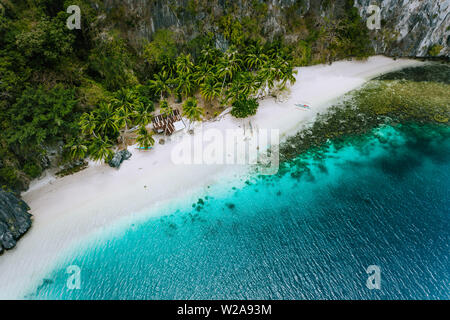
409, 27
416, 26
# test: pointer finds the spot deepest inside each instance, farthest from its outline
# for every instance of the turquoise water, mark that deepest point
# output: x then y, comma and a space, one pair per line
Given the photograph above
309, 233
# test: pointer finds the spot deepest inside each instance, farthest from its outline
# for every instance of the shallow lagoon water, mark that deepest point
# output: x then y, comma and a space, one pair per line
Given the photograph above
305, 234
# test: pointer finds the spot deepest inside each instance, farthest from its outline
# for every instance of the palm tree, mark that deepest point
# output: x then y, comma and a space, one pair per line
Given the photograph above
125, 119
161, 84
210, 55
225, 70
107, 120
269, 74
247, 83
255, 61
88, 124
210, 89
77, 149
243, 86
143, 113
203, 72
255, 57
288, 74
192, 111
144, 138
100, 149
124, 98
277, 73
165, 109
169, 66
185, 84
229, 64
184, 64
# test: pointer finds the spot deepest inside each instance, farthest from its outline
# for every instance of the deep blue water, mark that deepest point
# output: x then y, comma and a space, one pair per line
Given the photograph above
381, 201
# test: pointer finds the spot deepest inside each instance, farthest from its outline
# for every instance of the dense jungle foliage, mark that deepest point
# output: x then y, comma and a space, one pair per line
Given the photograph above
68, 94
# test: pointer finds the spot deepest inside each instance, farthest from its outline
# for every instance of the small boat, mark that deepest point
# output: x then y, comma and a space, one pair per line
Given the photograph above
305, 106
145, 149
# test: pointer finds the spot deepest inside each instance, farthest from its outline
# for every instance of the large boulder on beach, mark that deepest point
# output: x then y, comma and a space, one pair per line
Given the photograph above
14, 220
118, 158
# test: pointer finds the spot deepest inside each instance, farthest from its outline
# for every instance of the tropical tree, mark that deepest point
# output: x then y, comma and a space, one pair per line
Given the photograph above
143, 113
184, 84
162, 49
169, 67
161, 84
270, 73
210, 89
88, 124
165, 109
106, 120
288, 74
254, 61
100, 149
279, 73
124, 99
184, 64
247, 83
144, 138
125, 120
244, 85
77, 149
329, 38
192, 110
210, 56
203, 72
255, 57
225, 71
244, 107
229, 64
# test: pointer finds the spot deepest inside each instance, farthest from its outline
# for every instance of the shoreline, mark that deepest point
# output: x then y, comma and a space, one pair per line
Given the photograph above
67, 210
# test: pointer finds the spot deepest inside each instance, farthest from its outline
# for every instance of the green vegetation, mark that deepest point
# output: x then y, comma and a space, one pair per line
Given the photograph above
244, 107
80, 93
192, 111
435, 50
323, 39
144, 139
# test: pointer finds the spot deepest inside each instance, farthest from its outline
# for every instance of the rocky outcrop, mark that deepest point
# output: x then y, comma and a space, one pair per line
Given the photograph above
409, 27
14, 220
118, 158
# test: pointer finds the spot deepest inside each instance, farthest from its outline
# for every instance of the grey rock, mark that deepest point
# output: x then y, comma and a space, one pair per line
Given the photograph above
119, 157
14, 220
409, 28
415, 26
221, 43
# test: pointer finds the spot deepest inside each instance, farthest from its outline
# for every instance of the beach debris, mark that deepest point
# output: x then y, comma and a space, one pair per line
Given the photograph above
118, 158
72, 168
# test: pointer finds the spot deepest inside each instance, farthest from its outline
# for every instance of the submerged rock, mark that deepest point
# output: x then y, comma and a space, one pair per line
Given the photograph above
119, 157
14, 220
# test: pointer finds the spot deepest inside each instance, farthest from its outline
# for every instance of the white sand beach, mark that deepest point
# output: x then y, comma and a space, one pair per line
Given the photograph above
67, 210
